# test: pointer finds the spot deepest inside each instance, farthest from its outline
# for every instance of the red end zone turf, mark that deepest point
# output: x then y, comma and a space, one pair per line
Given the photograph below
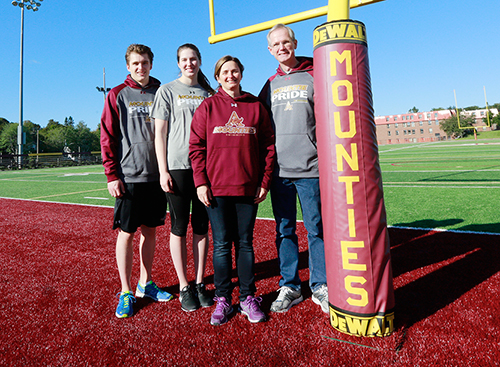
59, 279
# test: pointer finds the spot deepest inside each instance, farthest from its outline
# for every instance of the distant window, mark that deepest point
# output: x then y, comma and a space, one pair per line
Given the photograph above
419, 117
437, 123
429, 123
437, 135
388, 126
413, 132
397, 132
413, 124
404, 132
388, 133
387, 119
396, 124
421, 131
421, 123
411, 117
430, 130
428, 115
482, 113
435, 114
395, 118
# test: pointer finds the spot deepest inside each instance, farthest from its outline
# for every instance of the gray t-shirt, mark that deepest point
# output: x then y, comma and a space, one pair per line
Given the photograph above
176, 103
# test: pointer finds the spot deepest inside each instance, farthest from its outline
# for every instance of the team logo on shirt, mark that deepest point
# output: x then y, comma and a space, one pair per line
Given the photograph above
290, 94
140, 109
189, 99
235, 125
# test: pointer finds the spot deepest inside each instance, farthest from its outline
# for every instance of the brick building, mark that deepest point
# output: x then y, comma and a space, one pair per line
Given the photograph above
421, 127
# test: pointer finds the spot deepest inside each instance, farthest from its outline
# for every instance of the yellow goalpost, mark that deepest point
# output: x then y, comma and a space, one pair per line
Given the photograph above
336, 10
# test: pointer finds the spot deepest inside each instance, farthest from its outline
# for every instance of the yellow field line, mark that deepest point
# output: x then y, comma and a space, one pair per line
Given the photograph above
69, 193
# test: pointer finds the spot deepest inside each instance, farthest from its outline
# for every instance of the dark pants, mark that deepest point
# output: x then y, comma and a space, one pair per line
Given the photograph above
232, 219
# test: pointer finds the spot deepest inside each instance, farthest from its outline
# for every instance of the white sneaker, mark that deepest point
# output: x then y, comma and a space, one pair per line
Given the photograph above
286, 299
320, 297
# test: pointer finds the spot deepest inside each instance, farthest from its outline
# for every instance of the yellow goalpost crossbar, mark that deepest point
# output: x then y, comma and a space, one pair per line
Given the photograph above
336, 10
488, 124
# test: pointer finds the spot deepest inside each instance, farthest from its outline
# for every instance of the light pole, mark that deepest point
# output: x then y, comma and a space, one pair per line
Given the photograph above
29, 5
103, 88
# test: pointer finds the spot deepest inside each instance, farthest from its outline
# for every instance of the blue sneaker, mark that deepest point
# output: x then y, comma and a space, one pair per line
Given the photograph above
152, 291
125, 308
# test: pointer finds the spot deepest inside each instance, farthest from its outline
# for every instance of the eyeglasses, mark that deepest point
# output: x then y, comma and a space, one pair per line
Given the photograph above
280, 44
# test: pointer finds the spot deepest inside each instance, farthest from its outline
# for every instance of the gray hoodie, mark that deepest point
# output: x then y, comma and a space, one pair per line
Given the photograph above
289, 98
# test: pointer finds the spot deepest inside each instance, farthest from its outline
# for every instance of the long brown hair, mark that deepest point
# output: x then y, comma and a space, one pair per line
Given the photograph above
202, 79
223, 60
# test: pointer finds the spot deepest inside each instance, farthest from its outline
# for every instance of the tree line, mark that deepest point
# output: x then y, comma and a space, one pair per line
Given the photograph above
68, 136
450, 125
53, 138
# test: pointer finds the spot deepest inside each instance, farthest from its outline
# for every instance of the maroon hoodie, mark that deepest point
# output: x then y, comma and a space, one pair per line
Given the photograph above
232, 145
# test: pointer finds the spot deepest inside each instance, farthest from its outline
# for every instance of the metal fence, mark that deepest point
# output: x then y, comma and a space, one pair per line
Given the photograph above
41, 160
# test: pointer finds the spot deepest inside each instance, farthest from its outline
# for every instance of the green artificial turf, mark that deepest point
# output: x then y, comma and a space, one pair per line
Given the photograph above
448, 185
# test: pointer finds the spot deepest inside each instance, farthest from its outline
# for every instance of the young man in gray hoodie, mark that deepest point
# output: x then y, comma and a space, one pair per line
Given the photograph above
289, 96
129, 159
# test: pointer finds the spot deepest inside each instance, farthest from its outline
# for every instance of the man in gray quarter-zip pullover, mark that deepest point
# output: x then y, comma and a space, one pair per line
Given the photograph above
289, 96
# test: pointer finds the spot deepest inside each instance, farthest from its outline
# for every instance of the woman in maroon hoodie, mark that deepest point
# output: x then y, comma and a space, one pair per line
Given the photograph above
232, 153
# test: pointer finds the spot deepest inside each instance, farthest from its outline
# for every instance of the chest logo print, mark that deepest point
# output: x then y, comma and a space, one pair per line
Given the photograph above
234, 126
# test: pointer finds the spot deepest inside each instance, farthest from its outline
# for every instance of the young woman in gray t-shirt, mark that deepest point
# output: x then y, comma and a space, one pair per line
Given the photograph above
173, 109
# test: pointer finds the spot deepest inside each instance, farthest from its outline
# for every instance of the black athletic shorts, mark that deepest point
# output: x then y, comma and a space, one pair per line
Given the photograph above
142, 204
179, 204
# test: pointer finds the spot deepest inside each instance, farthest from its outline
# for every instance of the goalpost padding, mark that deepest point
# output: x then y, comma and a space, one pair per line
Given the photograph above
358, 259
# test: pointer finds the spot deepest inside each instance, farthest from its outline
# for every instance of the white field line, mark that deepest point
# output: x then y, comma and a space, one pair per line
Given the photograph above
66, 194
389, 184
445, 170
402, 148
59, 202
272, 219
55, 181
446, 230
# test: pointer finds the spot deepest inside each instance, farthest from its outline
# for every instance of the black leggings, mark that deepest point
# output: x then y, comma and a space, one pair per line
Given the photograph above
180, 204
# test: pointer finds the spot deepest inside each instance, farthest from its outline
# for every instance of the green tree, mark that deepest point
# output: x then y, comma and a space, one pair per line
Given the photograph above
53, 137
30, 130
471, 108
68, 121
82, 139
97, 138
413, 110
3, 122
8, 138
494, 121
450, 126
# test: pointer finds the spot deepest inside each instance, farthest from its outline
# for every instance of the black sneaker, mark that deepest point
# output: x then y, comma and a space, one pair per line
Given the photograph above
189, 301
203, 297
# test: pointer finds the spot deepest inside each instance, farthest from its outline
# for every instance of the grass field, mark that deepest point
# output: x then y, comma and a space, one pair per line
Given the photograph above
448, 185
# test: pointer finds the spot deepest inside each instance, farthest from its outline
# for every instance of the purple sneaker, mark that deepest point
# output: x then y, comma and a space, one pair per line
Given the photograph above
250, 308
222, 310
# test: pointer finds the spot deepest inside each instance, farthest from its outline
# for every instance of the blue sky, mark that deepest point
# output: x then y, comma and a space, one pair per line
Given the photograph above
419, 51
